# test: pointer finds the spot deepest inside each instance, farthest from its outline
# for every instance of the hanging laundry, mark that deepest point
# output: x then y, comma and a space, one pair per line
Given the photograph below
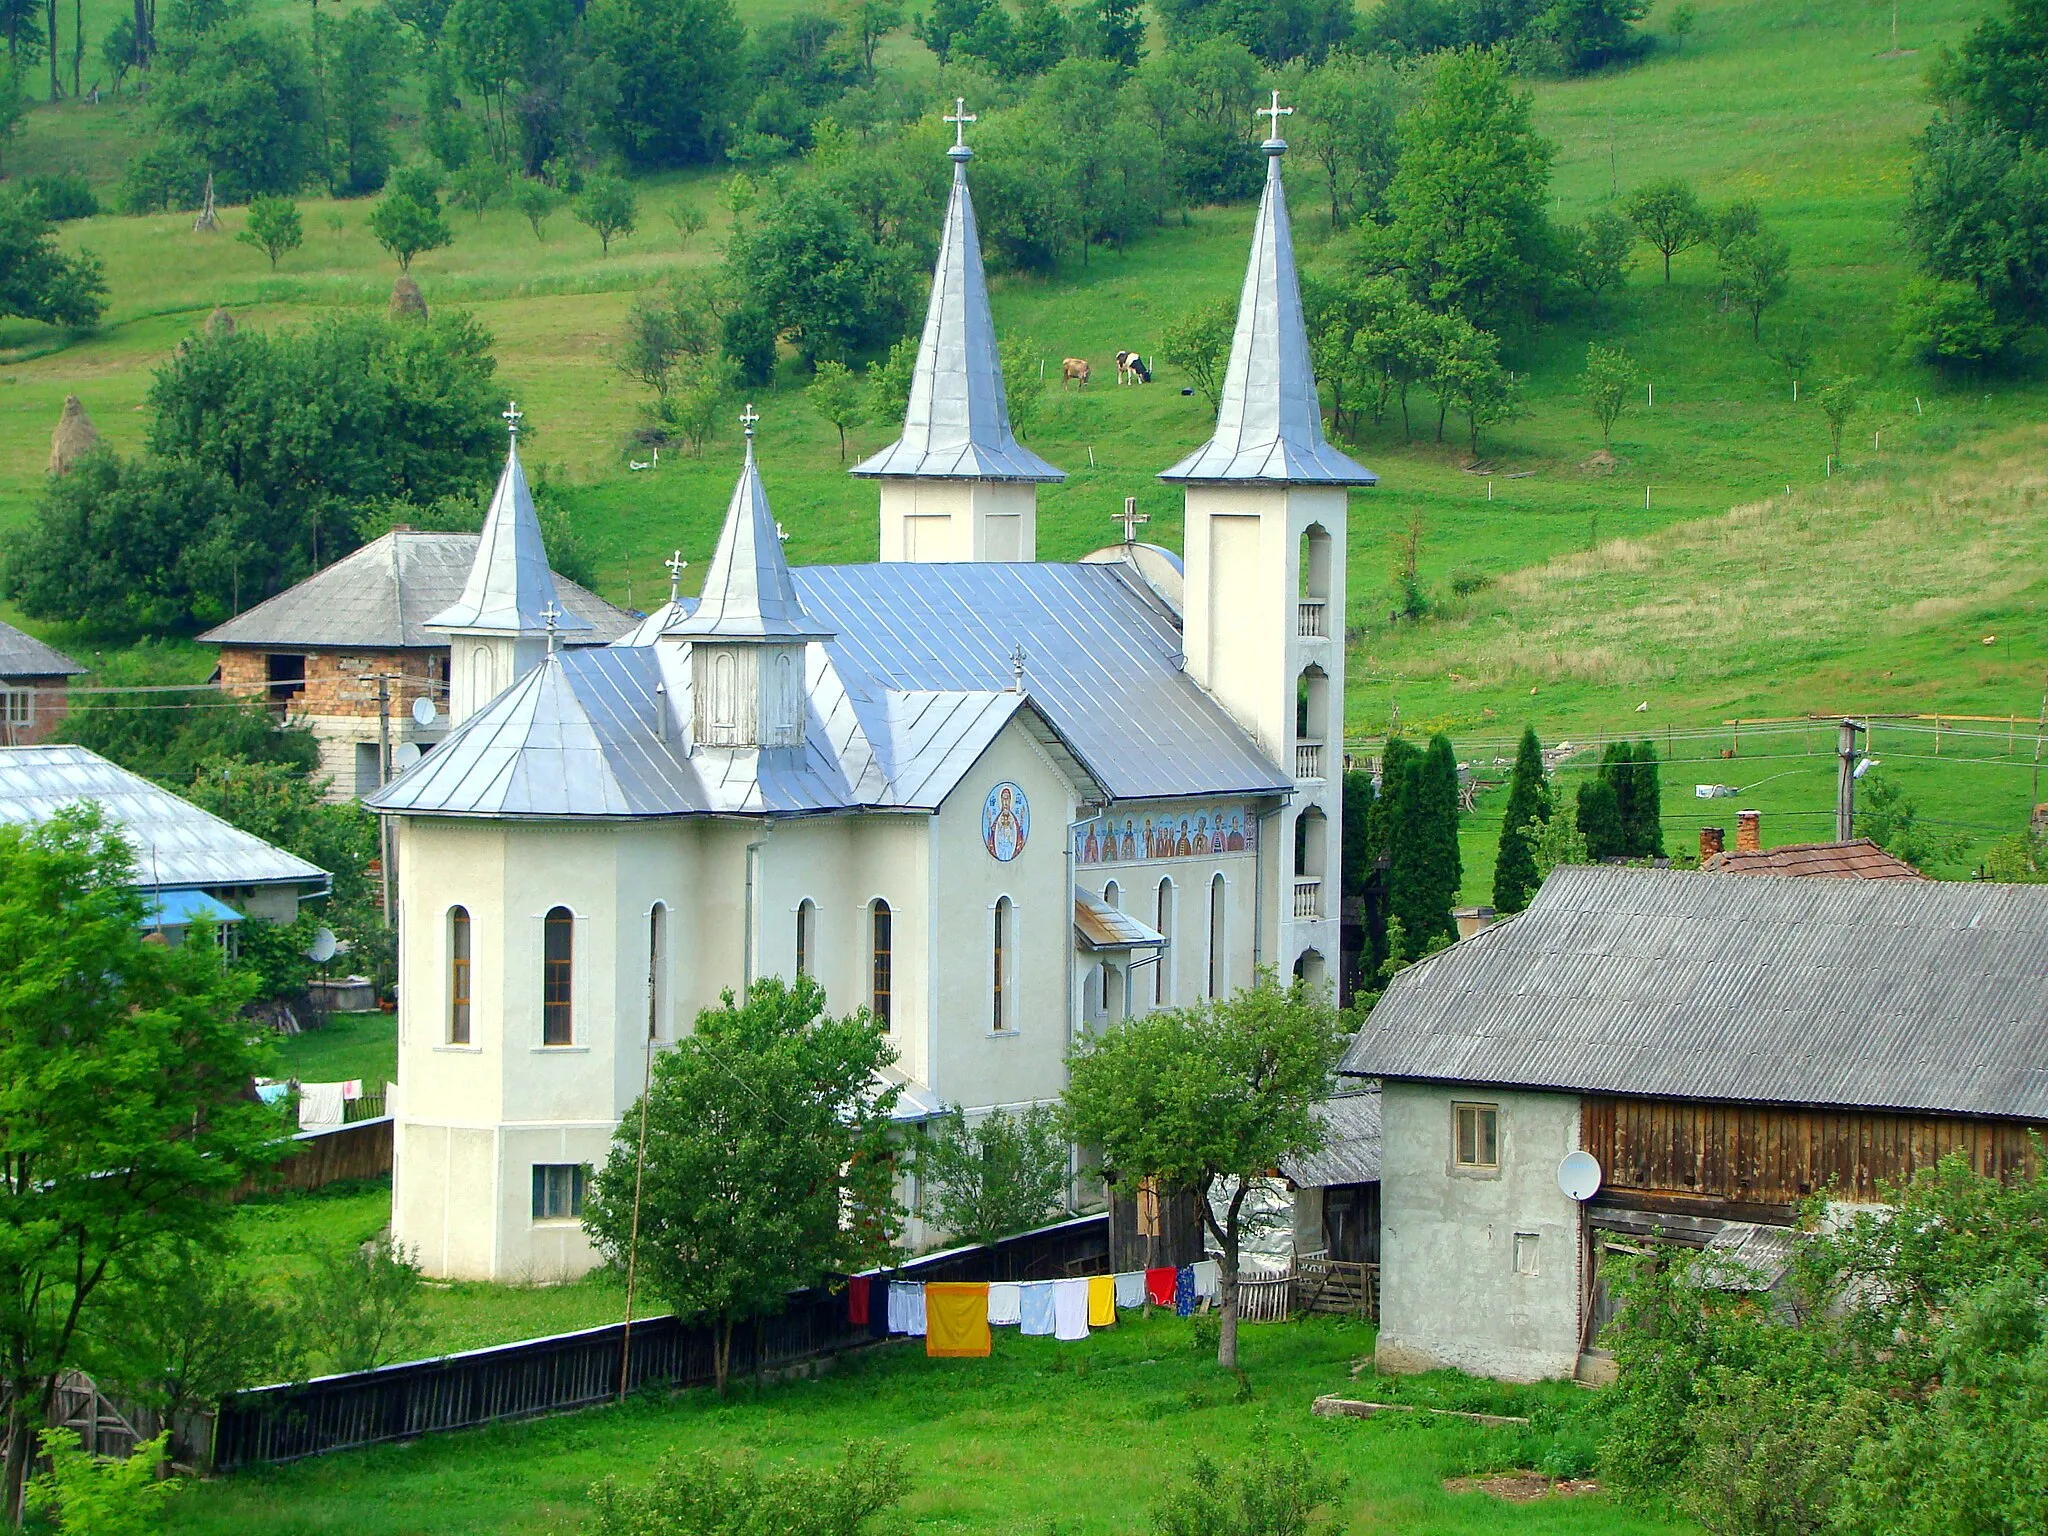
1148, 1208
1036, 1312
878, 1307
1159, 1286
1070, 1309
320, 1105
1130, 1288
1005, 1304
1208, 1280
906, 1308
857, 1301
1184, 1290
1101, 1301
956, 1318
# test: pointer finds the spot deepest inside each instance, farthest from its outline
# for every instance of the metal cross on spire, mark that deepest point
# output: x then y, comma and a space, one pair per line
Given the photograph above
550, 616
1017, 667
959, 117
748, 417
1131, 518
1275, 112
676, 566
513, 416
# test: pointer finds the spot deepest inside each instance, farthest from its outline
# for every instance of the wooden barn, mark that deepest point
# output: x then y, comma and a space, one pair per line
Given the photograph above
1723, 1049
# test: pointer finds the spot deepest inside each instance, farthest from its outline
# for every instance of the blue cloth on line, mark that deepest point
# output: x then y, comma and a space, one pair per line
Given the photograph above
1038, 1307
1184, 1291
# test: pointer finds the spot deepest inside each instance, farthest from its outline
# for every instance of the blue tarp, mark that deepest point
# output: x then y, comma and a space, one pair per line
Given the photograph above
181, 909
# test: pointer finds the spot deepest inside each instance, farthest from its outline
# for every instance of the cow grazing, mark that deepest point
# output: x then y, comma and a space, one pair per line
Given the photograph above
1074, 370
1131, 369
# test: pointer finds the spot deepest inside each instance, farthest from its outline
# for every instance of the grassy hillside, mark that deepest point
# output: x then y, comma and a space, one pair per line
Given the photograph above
1748, 584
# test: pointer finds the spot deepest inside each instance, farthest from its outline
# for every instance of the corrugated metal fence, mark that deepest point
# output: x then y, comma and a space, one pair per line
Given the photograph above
578, 1370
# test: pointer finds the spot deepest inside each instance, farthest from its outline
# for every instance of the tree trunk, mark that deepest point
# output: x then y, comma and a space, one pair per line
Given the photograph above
1226, 1333
1667, 264
20, 1448
50, 12
77, 45
721, 1351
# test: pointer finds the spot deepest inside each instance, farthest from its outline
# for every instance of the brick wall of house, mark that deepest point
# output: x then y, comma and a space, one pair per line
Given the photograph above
340, 683
49, 701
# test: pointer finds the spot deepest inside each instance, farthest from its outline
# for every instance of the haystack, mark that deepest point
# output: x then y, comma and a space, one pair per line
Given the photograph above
407, 302
220, 322
74, 438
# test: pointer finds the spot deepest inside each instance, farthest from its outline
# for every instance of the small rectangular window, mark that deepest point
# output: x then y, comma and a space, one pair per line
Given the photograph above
1525, 1253
558, 1190
1476, 1138
21, 706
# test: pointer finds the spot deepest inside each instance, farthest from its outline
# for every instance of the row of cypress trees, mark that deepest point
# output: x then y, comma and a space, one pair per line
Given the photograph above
1617, 814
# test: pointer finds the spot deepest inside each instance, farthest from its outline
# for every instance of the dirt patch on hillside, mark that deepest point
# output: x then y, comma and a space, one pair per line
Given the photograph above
1521, 1487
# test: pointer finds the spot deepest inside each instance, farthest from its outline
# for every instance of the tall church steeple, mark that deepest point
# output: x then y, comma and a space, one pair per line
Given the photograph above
957, 485
1263, 615
498, 629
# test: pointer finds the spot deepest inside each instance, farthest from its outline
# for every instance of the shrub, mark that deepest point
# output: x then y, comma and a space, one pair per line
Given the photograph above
63, 197
712, 1493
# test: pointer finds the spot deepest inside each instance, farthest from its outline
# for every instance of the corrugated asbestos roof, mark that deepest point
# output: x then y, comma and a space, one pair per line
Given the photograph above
1269, 420
1351, 1142
1857, 859
957, 423
1876, 994
1102, 926
381, 597
25, 656
176, 843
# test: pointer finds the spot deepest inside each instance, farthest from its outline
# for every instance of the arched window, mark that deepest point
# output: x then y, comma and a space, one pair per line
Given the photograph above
558, 942
1003, 957
1314, 620
725, 692
1162, 972
458, 976
806, 929
480, 677
1113, 896
657, 969
880, 942
1216, 969
786, 712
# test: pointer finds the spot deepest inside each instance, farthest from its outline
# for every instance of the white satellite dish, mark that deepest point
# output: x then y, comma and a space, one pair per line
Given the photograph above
423, 711
325, 947
406, 756
1579, 1175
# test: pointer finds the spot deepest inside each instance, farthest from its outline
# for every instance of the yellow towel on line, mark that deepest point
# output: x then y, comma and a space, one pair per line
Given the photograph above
956, 1318
1101, 1301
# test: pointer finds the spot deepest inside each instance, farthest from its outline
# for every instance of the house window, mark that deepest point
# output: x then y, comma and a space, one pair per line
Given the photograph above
1162, 971
883, 983
1004, 958
1216, 936
657, 969
286, 676
1475, 1139
558, 1190
458, 976
1525, 1252
21, 705
806, 928
558, 942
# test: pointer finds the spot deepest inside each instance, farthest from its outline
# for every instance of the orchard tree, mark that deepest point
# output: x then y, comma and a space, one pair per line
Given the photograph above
1197, 341
1002, 1175
1514, 872
839, 397
536, 202
1755, 273
477, 185
1839, 402
607, 207
123, 1121
1596, 252
407, 220
766, 1164
1205, 1099
274, 227
1667, 214
1608, 384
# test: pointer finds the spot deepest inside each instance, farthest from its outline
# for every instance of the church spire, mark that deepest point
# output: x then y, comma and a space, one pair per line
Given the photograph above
748, 591
1269, 427
510, 587
957, 425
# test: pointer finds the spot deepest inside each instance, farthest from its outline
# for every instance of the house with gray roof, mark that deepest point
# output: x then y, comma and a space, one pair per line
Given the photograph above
34, 687
316, 652
1664, 1056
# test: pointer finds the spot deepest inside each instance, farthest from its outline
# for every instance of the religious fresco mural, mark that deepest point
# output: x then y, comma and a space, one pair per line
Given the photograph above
1005, 822
1199, 833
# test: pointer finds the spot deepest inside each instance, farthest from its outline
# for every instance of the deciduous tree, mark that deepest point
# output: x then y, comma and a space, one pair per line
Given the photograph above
274, 227
1667, 214
407, 220
1197, 341
1755, 273
677, 68
1608, 384
607, 208
1004, 1174
839, 397
38, 280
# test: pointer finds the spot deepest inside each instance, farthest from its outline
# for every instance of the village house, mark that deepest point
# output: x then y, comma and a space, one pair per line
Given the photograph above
995, 800
34, 683
351, 650
1709, 1053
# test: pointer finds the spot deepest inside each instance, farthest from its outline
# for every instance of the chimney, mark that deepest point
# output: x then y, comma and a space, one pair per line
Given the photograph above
1749, 836
1712, 841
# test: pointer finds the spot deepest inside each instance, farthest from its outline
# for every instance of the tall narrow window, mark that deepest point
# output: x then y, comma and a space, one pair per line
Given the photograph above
558, 942
1000, 1017
458, 976
1216, 937
725, 701
806, 925
1162, 971
785, 691
880, 941
657, 969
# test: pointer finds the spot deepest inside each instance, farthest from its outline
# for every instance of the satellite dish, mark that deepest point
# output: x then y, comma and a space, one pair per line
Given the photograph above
406, 755
325, 947
1579, 1175
423, 711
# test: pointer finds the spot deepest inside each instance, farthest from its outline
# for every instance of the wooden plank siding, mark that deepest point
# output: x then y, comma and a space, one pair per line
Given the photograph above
1769, 1155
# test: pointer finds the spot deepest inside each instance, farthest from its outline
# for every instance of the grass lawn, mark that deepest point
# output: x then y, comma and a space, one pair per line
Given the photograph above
1074, 1438
361, 1045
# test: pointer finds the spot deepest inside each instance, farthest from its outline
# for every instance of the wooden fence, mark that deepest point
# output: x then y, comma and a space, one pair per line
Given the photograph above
578, 1370
359, 1150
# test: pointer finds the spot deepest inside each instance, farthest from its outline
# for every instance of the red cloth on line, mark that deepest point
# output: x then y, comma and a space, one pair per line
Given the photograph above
1159, 1285
857, 1301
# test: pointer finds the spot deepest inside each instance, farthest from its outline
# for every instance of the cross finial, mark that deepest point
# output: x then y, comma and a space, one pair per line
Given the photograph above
748, 417
1017, 667
1131, 518
1275, 112
513, 416
549, 616
781, 532
960, 117
676, 566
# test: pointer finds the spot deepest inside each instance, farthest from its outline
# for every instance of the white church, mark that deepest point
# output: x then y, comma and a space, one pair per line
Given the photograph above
997, 801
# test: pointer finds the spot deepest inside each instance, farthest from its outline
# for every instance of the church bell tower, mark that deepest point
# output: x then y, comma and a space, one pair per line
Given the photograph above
1263, 625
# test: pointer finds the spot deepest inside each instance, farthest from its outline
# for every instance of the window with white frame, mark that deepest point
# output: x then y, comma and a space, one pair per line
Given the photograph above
1475, 1138
558, 1190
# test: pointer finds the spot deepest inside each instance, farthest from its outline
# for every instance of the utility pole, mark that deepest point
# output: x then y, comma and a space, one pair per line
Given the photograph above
1845, 781
383, 778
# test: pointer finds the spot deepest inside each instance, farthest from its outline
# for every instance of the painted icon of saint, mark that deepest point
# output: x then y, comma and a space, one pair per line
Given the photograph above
1005, 834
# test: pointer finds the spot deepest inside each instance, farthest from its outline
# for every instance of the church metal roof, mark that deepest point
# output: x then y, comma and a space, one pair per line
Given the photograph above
748, 594
510, 588
1269, 426
1099, 926
957, 424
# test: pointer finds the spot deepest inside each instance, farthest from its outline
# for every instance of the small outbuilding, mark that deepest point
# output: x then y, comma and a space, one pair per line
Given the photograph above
34, 687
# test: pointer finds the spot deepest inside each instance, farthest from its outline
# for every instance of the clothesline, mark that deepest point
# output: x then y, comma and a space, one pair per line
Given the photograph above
954, 1317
